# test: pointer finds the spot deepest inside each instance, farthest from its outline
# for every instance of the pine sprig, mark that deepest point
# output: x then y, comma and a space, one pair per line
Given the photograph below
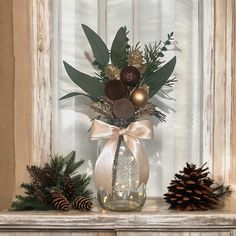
59, 175
28, 203
154, 53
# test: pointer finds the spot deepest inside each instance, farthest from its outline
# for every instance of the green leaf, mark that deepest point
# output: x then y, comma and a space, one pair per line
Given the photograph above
99, 48
89, 84
157, 79
69, 95
118, 49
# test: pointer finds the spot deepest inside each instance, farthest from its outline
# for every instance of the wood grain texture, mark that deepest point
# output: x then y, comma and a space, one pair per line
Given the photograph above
174, 233
57, 234
155, 216
7, 169
217, 130
219, 89
23, 91
233, 180
207, 18
40, 22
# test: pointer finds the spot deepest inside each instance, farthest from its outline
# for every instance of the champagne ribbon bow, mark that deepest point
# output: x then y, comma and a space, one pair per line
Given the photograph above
132, 134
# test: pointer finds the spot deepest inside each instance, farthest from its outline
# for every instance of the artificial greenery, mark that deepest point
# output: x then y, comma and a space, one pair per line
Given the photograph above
155, 75
119, 49
60, 175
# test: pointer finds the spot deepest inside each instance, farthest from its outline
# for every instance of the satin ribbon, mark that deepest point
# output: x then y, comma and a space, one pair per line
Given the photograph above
132, 134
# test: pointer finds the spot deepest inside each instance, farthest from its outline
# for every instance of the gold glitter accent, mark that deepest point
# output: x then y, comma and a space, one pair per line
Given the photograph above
148, 110
112, 72
103, 107
135, 57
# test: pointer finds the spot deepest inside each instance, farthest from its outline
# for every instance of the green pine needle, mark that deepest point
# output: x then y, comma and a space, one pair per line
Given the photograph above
51, 178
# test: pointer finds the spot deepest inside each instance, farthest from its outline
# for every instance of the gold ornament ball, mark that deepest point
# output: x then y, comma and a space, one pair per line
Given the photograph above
140, 97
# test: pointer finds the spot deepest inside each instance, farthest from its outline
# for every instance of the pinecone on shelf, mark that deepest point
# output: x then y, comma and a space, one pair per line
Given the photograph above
60, 201
191, 190
82, 203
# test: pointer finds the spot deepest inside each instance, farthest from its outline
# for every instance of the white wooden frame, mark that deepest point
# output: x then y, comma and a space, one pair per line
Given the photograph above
219, 109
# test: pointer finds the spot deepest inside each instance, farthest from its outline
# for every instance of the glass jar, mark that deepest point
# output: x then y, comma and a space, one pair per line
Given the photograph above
127, 194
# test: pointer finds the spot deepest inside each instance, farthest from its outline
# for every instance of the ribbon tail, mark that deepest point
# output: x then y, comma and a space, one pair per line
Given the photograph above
104, 165
141, 157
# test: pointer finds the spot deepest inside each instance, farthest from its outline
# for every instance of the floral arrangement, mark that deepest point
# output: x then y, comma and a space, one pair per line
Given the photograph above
127, 78
120, 92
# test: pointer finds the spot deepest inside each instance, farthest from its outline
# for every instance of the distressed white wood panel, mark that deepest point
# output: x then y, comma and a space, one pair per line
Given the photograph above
207, 18
57, 234
233, 141
174, 233
219, 86
41, 74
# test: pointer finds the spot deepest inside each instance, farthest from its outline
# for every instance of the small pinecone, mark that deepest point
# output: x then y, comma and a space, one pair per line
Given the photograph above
60, 201
82, 203
135, 58
191, 190
69, 188
112, 72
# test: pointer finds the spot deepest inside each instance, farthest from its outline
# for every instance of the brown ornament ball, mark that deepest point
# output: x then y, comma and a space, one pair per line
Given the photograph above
130, 76
115, 89
123, 109
140, 97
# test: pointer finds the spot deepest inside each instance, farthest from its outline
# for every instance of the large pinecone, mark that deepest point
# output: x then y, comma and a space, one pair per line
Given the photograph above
191, 190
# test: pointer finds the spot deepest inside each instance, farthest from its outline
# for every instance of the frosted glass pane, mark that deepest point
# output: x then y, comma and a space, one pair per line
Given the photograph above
176, 141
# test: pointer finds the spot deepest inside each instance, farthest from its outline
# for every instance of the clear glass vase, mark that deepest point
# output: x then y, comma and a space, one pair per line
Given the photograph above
127, 194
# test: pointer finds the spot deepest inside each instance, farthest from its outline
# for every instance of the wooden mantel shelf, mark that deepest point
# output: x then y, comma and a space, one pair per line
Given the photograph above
155, 215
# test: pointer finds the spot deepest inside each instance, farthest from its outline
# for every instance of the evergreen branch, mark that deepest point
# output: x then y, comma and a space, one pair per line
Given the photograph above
27, 203
60, 176
154, 53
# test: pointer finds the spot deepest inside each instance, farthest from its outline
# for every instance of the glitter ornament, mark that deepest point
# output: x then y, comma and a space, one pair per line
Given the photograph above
115, 89
135, 58
140, 97
123, 109
112, 72
130, 76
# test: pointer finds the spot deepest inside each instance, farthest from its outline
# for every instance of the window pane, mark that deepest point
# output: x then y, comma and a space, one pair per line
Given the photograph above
176, 141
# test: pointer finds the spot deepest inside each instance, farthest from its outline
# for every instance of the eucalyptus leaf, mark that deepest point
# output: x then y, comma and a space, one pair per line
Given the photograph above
69, 95
89, 84
99, 48
118, 49
157, 79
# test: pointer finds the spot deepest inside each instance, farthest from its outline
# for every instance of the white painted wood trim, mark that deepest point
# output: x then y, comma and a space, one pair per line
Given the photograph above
102, 19
217, 24
154, 216
135, 22
233, 133
40, 23
207, 15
